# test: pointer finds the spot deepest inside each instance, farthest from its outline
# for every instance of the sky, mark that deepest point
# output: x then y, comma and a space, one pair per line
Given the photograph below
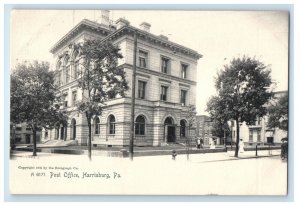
217, 35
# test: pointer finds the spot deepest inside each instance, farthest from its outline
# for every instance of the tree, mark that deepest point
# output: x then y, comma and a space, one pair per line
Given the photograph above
242, 92
100, 78
191, 115
220, 129
278, 113
33, 97
217, 111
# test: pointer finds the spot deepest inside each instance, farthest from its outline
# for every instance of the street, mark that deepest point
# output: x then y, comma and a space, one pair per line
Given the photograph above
202, 174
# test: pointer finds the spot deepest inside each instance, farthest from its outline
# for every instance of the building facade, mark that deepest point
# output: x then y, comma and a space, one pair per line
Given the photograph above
22, 134
204, 126
259, 133
165, 86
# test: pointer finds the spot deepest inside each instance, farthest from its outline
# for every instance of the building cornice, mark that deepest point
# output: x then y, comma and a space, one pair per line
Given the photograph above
84, 24
174, 47
126, 30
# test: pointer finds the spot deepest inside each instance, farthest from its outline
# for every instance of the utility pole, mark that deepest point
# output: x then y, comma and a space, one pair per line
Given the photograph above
133, 98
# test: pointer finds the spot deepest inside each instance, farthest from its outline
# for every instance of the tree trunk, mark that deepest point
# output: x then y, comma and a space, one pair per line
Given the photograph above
224, 138
90, 136
236, 154
34, 140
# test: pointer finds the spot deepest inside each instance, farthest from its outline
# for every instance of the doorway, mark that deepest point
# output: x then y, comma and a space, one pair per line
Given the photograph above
73, 129
27, 141
171, 137
170, 130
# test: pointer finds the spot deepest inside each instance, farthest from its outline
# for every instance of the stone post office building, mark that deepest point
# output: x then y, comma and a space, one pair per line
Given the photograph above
165, 86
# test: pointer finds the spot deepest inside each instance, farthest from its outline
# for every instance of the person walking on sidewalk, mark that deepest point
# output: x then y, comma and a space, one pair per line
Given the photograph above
198, 143
241, 146
201, 142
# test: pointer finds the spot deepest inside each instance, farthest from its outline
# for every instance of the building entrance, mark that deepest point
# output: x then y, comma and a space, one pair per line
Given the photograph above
27, 138
73, 129
170, 128
171, 134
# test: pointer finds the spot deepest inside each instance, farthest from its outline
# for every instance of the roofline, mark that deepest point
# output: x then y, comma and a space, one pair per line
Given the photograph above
94, 25
282, 91
85, 22
157, 38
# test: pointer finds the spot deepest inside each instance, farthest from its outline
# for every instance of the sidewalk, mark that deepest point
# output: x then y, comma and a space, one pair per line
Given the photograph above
195, 158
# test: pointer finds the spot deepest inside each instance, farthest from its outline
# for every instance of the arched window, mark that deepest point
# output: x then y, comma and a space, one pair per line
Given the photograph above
140, 125
112, 124
76, 65
182, 128
97, 125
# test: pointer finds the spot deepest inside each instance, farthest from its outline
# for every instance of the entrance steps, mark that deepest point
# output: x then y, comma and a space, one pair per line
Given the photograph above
58, 143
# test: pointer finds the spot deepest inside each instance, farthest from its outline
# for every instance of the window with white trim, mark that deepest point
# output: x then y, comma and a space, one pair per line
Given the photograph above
165, 65
183, 97
184, 68
74, 98
142, 89
143, 59
97, 125
112, 124
163, 93
140, 125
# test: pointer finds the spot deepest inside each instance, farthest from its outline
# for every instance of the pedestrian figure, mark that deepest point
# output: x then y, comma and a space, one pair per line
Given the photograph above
212, 145
241, 146
198, 143
201, 143
174, 154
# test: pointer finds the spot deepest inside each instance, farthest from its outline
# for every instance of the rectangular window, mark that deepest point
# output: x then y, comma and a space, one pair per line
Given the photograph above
270, 140
251, 136
67, 74
112, 128
76, 66
18, 128
163, 93
258, 121
141, 89
164, 65
65, 103
74, 98
258, 136
184, 71
60, 78
140, 128
143, 58
183, 97
18, 138
97, 125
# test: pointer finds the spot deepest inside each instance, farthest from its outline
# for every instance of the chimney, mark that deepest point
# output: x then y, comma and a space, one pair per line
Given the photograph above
145, 26
164, 37
122, 22
102, 17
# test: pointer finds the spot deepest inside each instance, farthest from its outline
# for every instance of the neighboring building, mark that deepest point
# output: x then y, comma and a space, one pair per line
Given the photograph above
22, 134
165, 86
204, 126
259, 133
